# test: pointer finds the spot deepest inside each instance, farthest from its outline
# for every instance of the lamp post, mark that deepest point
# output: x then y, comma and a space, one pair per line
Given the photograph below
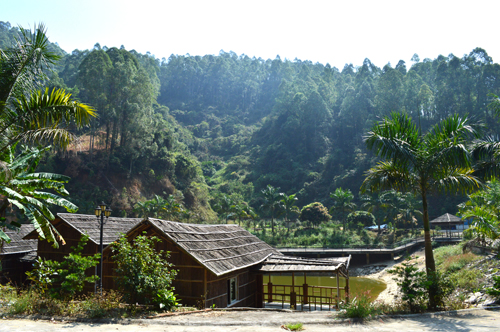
101, 211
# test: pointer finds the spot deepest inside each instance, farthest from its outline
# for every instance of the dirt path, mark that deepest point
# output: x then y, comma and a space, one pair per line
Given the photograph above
246, 321
389, 294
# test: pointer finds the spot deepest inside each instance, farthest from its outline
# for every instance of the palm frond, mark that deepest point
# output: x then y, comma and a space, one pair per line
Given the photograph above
454, 180
395, 138
388, 175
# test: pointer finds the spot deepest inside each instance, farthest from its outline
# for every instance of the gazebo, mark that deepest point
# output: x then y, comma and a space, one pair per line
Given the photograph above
448, 222
308, 296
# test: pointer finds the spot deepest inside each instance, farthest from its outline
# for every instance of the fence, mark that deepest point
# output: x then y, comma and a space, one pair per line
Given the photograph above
308, 297
435, 235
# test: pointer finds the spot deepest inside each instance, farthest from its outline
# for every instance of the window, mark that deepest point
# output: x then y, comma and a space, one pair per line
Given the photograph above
232, 290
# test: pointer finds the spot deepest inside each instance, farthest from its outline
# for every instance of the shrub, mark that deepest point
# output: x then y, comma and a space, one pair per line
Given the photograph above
315, 213
411, 283
495, 290
142, 273
359, 307
363, 217
64, 279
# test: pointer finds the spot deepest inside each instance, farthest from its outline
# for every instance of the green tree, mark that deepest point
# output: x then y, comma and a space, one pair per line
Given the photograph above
288, 205
342, 204
33, 116
224, 206
437, 161
271, 202
314, 213
483, 209
144, 274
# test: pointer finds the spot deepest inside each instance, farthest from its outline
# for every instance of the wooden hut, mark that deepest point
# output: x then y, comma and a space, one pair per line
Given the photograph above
448, 223
213, 261
17, 256
224, 265
73, 226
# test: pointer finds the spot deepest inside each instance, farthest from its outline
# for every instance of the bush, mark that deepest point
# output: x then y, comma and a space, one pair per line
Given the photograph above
64, 279
412, 284
315, 213
359, 307
144, 275
495, 290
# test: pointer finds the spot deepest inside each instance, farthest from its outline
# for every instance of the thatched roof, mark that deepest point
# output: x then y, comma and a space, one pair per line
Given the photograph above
89, 224
219, 248
447, 219
281, 264
17, 244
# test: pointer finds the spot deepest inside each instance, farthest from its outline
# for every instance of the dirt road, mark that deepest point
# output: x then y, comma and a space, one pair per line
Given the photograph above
464, 320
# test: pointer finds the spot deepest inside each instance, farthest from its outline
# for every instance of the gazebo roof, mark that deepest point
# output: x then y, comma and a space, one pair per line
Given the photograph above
447, 219
279, 264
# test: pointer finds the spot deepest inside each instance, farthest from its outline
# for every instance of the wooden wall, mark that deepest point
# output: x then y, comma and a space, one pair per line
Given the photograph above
72, 237
194, 284
14, 269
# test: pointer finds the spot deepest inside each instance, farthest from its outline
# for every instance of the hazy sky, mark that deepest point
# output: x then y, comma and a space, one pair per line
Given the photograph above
335, 32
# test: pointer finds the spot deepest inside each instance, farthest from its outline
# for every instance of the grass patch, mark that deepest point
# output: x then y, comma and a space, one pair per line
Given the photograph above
293, 327
109, 305
454, 263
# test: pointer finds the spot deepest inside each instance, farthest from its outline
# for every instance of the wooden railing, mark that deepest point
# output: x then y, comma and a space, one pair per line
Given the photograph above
305, 296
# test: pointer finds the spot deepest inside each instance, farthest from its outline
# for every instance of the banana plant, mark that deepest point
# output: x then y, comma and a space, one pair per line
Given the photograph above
24, 190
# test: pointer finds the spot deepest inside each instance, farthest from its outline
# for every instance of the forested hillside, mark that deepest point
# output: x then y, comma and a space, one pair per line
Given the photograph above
197, 127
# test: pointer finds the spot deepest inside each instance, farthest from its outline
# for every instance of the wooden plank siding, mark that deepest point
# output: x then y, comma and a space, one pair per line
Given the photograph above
194, 284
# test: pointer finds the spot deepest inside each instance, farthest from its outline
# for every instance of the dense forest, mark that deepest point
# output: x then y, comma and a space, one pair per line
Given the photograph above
197, 129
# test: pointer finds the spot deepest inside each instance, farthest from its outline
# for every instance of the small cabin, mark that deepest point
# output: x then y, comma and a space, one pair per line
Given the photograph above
213, 261
17, 256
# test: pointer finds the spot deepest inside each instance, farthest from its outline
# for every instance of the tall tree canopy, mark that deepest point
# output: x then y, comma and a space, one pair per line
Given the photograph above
437, 161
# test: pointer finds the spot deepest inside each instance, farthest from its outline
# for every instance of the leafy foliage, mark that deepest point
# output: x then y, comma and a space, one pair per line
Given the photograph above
482, 209
21, 187
66, 278
412, 283
144, 275
33, 116
314, 213
437, 161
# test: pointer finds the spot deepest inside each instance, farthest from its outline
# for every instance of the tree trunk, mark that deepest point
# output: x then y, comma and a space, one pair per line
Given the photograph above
430, 265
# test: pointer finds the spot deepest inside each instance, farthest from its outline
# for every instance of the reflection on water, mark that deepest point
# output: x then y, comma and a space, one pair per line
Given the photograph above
357, 284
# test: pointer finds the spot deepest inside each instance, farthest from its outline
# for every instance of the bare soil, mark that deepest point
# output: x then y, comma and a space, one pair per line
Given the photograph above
390, 293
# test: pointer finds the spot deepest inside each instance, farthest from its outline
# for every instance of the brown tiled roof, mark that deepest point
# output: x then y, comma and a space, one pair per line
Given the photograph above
17, 244
279, 264
220, 248
88, 224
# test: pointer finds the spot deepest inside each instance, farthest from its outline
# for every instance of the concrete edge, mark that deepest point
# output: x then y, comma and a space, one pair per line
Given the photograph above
330, 321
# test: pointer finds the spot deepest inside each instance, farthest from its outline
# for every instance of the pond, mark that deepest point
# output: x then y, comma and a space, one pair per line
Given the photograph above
357, 284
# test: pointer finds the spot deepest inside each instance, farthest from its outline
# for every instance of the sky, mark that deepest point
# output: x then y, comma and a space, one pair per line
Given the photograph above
334, 32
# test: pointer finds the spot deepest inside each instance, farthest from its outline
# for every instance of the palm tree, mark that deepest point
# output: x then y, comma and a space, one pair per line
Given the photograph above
27, 113
224, 206
33, 116
271, 201
342, 203
408, 210
288, 205
436, 162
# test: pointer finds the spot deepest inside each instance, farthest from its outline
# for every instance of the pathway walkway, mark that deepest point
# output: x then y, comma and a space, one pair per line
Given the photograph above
246, 321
